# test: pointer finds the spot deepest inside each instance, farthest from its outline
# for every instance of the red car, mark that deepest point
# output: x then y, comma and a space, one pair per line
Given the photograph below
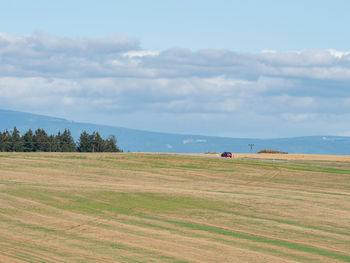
226, 155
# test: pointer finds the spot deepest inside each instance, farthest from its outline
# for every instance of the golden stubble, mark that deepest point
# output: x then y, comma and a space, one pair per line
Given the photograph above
72, 207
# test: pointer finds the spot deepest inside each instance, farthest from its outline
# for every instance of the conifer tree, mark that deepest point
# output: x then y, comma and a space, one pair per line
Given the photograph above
66, 142
7, 141
16, 141
53, 144
2, 142
98, 144
84, 144
62, 142
41, 141
28, 145
58, 139
111, 144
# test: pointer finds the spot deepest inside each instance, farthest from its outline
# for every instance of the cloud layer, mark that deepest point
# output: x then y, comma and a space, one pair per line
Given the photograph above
218, 92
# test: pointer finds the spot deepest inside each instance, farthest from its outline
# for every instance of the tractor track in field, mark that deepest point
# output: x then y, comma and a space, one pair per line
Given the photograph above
267, 175
270, 239
7, 250
296, 162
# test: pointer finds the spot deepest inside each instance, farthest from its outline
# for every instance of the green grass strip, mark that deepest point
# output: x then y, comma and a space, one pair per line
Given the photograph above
259, 239
298, 167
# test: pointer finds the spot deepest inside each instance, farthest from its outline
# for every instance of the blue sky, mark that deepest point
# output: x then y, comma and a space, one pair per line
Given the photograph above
158, 24
226, 68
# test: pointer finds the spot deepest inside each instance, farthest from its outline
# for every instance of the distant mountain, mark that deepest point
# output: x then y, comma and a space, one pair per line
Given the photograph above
145, 141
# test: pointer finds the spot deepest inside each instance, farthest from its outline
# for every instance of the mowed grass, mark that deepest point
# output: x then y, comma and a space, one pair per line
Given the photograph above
129, 207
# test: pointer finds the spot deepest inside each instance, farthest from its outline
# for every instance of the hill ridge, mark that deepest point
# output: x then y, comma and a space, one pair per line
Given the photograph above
151, 141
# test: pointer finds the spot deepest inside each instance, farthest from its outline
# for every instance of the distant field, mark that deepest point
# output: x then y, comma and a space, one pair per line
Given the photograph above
127, 207
292, 157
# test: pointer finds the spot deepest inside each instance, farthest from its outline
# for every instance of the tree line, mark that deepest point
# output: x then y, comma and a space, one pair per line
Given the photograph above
40, 141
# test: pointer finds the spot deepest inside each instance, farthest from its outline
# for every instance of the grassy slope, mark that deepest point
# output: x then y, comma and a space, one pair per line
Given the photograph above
162, 208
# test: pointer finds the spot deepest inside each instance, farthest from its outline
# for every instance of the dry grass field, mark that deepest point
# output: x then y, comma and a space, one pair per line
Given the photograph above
292, 157
126, 207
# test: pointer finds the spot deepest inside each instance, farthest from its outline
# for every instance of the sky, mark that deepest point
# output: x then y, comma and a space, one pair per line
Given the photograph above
258, 69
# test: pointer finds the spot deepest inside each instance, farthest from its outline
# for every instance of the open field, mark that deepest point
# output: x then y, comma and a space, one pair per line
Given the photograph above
292, 157
125, 207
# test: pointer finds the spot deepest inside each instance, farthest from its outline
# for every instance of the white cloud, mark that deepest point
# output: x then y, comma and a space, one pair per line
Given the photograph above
112, 77
140, 53
296, 117
186, 141
40, 54
338, 54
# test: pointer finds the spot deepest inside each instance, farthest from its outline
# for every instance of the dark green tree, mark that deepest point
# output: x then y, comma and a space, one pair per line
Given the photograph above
62, 142
111, 144
84, 144
28, 145
2, 142
16, 141
66, 141
98, 144
58, 141
54, 145
41, 141
7, 141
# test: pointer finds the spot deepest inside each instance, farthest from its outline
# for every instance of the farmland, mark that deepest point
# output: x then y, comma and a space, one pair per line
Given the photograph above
139, 207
